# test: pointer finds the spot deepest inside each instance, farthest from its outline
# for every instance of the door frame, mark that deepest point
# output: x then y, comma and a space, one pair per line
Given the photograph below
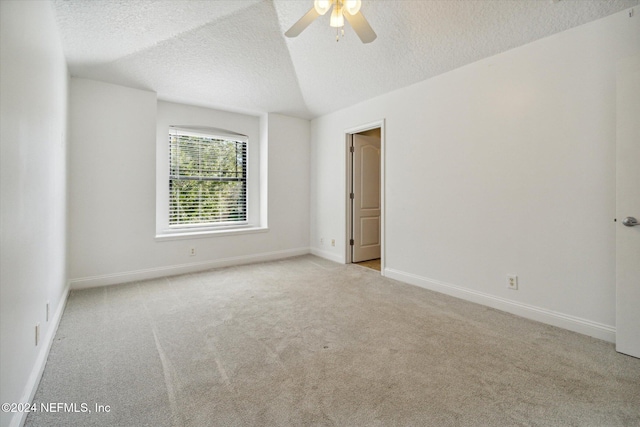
348, 137
627, 295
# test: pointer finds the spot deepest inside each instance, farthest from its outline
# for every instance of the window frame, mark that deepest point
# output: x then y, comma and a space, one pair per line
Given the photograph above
194, 226
254, 216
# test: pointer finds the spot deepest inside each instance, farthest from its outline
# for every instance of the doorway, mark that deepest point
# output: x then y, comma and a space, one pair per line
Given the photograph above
365, 196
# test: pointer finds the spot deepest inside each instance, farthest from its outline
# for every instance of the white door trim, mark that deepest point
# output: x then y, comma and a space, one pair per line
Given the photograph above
348, 171
627, 205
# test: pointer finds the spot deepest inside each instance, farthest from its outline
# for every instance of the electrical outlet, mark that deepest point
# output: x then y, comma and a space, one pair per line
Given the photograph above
192, 252
37, 333
512, 282
333, 242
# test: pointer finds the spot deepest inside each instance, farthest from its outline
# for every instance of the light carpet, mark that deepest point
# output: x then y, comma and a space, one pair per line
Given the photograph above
305, 341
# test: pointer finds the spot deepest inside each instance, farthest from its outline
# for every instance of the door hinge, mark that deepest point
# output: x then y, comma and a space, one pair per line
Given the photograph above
351, 242
352, 196
351, 149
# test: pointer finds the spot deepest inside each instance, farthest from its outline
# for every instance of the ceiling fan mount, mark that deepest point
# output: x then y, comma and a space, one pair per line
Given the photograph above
342, 9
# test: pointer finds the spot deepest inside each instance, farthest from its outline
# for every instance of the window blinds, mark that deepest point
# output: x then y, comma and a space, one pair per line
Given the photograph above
207, 179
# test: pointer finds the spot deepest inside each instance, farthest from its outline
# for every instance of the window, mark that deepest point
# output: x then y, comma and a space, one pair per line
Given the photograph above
211, 173
207, 179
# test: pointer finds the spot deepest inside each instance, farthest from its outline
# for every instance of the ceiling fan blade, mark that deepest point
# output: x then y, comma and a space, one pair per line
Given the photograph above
302, 23
361, 27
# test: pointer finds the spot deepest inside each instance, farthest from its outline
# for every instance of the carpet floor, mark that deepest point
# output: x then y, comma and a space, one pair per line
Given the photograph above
305, 341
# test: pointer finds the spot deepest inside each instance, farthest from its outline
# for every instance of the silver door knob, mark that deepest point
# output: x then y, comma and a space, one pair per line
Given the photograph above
630, 221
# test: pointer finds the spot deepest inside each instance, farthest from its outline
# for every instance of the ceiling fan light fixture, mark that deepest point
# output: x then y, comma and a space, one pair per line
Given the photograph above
342, 9
337, 19
353, 6
322, 6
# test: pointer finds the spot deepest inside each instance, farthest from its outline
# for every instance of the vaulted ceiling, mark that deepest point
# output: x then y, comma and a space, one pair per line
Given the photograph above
233, 55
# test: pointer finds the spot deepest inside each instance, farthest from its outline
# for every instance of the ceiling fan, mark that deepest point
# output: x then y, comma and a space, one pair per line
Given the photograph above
349, 9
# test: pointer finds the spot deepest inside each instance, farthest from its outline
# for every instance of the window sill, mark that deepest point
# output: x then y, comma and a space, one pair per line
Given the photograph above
191, 234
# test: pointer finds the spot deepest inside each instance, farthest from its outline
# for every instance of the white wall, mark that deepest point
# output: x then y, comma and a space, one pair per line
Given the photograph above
111, 178
113, 187
33, 95
288, 182
503, 166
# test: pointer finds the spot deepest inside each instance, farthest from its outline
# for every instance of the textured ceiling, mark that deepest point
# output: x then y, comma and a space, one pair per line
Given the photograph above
233, 54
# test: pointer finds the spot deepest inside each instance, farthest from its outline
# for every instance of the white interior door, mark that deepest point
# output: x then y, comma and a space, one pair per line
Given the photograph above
628, 206
366, 198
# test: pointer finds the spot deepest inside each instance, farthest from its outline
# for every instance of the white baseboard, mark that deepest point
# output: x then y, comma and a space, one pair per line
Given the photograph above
327, 255
33, 381
543, 315
172, 270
